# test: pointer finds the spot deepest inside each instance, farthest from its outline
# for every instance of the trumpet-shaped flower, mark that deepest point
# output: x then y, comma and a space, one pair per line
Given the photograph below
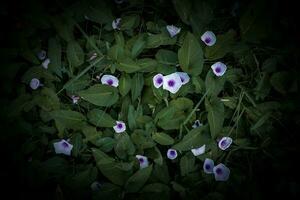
42, 55
143, 160
172, 154
173, 30
75, 99
198, 151
208, 166
209, 38
184, 77
219, 68
45, 63
221, 172
197, 124
119, 127
63, 147
35, 83
172, 82
110, 80
158, 80
116, 24
225, 143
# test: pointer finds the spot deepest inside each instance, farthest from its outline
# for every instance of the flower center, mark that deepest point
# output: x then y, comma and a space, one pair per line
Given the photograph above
65, 145
159, 80
141, 160
219, 171
207, 166
207, 40
223, 143
172, 153
110, 82
218, 69
171, 83
120, 126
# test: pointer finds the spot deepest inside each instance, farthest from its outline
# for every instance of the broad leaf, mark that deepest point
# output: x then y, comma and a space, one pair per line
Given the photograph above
138, 179
100, 118
215, 109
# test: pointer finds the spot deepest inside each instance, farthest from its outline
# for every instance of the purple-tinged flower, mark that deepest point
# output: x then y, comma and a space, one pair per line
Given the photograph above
42, 55
197, 124
184, 77
119, 127
143, 160
219, 68
45, 63
221, 172
63, 147
208, 166
172, 154
95, 186
209, 38
172, 82
116, 24
75, 99
35, 83
158, 80
225, 143
198, 151
110, 80
173, 30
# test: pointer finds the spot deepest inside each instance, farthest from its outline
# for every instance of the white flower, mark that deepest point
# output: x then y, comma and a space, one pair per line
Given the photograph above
172, 154
35, 83
173, 30
93, 56
172, 82
119, 127
225, 143
63, 147
221, 172
143, 160
158, 80
95, 186
208, 166
184, 77
197, 124
119, 1
110, 80
219, 68
45, 63
116, 23
75, 99
42, 55
198, 151
209, 38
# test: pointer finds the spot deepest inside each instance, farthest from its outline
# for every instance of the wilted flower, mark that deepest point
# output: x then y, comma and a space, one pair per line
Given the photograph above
75, 99
42, 55
173, 30
224, 143
184, 77
197, 124
219, 68
116, 24
35, 83
221, 172
209, 38
110, 80
119, 127
45, 63
63, 147
158, 80
172, 82
208, 166
143, 160
172, 154
95, 186
198, 151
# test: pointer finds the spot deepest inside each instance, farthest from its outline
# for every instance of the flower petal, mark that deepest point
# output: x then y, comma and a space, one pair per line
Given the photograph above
208, 166
42, 55
219, 68
198, 151
116, 23
63, 147
173, 30
143, 160
34, 83
225, 143
221, 172
172, 154
119, 127
197, 124
184, 77
75, 99
119, 1
209, 38
172, 82
95, 186
46, 63
110, 80
158, 80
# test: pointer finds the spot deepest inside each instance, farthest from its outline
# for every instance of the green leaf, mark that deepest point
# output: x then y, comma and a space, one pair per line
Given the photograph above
281, 81
38, 72
156, 40
77, 144
54, 54
124, 146
138, 46
100, 119
64, 27
137, 86
187, 164
105, 144
100, 95
215, 109
183, 9
138, 179
130, 22
195, 138
142, 139
190, 55
133, 115
223, 46
124, 84
91, 134
214, 84
128, 65
147, 64
75, 54
166, 57
163, 139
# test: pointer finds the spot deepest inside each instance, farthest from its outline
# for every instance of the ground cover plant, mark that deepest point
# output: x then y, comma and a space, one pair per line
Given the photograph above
128, 99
